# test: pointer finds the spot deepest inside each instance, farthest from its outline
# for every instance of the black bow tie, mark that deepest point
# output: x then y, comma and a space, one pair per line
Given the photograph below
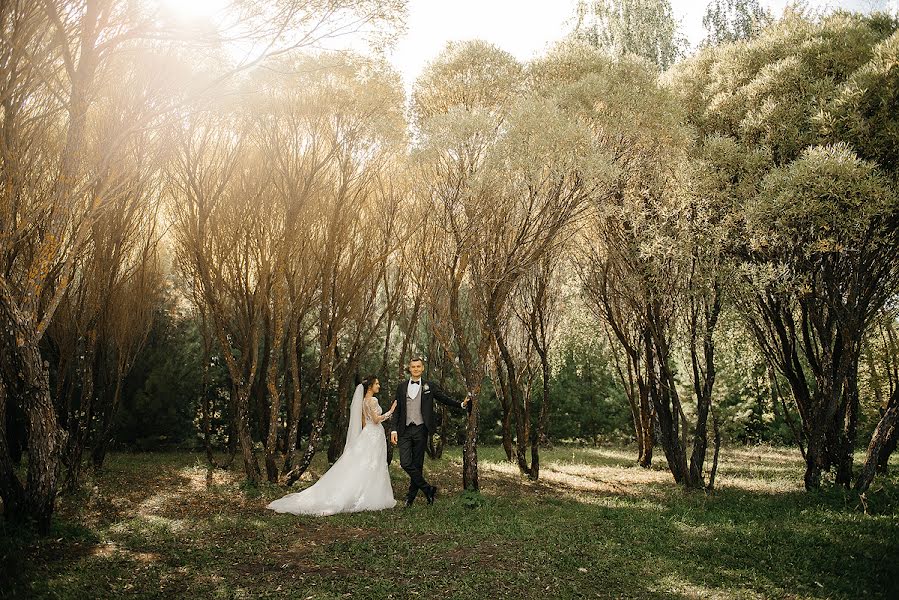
415, 382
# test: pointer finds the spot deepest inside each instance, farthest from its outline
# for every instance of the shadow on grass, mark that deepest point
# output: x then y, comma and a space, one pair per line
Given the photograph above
593, 526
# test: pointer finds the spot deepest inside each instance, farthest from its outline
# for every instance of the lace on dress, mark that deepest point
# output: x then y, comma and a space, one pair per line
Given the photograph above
371, 410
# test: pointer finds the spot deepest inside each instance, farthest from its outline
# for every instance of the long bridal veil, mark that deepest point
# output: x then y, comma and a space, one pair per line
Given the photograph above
354, 428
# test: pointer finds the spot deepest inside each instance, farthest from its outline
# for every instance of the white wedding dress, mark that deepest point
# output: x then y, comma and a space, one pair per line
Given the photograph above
359, 480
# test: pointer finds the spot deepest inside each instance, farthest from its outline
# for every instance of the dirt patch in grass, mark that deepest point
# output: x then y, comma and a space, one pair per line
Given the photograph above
489, 555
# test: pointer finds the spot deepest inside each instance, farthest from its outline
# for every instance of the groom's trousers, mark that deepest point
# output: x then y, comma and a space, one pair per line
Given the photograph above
412, 445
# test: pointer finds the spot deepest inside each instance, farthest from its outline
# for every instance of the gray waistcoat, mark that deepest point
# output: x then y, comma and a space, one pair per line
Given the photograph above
413, 408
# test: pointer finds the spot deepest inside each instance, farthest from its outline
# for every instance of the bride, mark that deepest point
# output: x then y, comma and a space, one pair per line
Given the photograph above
359, 479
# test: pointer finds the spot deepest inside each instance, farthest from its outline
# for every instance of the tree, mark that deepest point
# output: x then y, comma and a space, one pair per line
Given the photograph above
501, 178
813, 200
728, 21
636, 255
524, 338
825, 247
645, 28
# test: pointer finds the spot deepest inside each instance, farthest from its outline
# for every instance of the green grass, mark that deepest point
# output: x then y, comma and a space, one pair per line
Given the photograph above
594, 526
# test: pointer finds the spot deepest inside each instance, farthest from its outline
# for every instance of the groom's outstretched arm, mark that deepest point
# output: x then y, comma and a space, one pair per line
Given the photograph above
445, 399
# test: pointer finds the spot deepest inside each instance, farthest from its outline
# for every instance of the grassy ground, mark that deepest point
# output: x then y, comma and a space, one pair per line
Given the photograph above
594, 526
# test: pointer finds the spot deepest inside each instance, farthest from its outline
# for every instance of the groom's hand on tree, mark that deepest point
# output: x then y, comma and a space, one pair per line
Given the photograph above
466, 404
393, 438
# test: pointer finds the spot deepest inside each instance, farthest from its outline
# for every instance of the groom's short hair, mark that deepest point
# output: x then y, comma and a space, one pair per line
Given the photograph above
416, 357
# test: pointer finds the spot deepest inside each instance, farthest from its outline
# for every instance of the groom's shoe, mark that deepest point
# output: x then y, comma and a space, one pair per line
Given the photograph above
431, 494
408, 503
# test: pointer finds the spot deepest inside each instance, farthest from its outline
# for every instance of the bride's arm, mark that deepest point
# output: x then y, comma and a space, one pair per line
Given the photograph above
388, 414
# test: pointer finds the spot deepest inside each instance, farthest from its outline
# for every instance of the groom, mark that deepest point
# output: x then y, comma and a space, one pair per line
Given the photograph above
413, 421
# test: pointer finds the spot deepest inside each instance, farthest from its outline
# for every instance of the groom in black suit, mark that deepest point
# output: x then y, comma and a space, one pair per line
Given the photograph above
413, 421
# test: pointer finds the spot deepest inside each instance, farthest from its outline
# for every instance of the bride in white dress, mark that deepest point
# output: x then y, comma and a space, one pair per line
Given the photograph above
359, 480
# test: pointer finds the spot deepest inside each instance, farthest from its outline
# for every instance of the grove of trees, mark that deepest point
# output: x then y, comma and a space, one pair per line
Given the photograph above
209, 231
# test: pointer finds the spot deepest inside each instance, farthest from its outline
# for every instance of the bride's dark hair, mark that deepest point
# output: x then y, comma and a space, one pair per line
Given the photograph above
368, 381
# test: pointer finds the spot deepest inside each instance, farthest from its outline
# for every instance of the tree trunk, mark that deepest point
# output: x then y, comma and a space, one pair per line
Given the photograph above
647, 430
80, 424
703, 381
327, 343
101, 444
274, 413
45, 442
884, 438
543, 419
886, 451
341, 419
20, 361
11, 489
470, 448
242, 428
502, 394
714, 470
314, 438
207, 402
242, 382
849, 428
296, 402
666, 402
814, 459
520, 404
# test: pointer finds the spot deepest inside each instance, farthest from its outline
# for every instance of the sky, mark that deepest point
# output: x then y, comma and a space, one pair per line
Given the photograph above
525, 28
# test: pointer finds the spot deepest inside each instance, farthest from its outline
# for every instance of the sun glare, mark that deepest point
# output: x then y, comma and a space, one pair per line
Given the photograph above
196, 9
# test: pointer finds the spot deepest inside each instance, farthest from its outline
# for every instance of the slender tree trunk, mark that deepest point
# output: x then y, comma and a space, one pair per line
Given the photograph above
274, 412
637, 392
520, 405
296, 401
327, 344
385, 352
633, 394
341, 421
666, 402
62, 395
714, 470
101, 444
314, 435
884, 438
849, 427
503, 394
470, 448
243, 378
242, 428
703, 381
472, 368
543, 419
647, 423
886, 451
81, 422
207, 402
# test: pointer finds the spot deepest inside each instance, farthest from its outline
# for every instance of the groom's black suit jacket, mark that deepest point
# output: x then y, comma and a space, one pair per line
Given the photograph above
430, 391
